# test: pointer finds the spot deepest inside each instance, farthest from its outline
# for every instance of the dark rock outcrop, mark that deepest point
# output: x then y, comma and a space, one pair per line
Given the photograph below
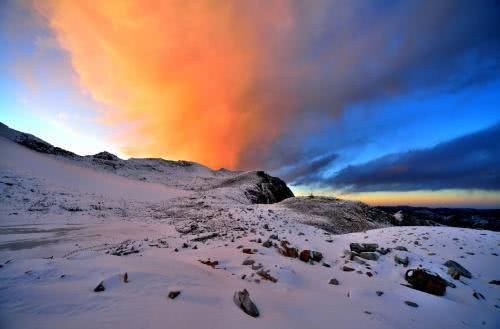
426, 281
259, 187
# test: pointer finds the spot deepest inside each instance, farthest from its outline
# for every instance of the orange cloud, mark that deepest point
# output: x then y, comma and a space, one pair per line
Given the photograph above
180, 76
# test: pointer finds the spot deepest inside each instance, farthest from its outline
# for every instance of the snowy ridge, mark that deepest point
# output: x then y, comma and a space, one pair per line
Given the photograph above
255, 186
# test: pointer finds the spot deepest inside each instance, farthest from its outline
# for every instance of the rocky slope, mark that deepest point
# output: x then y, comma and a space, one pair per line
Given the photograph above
487, 219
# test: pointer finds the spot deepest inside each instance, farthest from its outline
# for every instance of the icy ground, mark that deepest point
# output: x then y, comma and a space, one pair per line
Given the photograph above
65, 228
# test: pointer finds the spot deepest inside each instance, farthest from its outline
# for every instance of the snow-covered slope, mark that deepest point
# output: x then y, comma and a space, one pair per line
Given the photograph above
69, 222
250, 187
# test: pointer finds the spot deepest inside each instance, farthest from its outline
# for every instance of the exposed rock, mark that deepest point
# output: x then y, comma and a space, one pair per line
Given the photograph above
363, 247
358, 260
260, 187
334, 282
210, 263
426, 281
384, 251
267, 244
336, 215
257, 267
266, 276
243, 301
400, 248
204, 237
403, 260
125, 248
309, 255
347, 269
412, 304
287, 251
106, 156
100, 287
497, 282
478, 295
456, 270
379, 293
247, 251
368, 255
248, 262
173, 294
185, 227
125, 277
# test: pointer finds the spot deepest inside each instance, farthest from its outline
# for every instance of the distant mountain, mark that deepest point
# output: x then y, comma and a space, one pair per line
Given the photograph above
488, 219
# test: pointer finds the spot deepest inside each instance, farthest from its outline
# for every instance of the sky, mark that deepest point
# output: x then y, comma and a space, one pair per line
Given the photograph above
387, 102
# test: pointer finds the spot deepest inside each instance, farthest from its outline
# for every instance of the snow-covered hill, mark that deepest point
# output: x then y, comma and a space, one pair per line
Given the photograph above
68, 223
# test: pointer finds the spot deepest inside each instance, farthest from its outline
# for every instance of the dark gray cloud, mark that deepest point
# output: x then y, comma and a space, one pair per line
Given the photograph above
309, 171
342, 53
468, 162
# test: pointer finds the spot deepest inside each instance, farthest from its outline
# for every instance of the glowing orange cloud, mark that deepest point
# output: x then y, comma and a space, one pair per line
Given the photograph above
179, 77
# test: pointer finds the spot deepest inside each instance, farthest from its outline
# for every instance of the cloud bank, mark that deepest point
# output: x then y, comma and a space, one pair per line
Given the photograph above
234, 83
468, 162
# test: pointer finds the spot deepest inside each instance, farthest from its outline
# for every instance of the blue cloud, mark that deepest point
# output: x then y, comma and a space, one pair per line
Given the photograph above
468, 162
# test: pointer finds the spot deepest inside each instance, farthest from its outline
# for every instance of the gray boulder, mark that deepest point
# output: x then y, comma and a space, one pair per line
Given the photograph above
243, 301
368, 255
455, 270
363, 247
403, 260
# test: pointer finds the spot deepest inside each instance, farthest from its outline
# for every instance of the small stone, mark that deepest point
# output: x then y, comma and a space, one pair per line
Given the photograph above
384, 251
334, 282
248, 262
125, 277
266, 276
173, 294
287, 251
257, 267
243, 301
412, 304
401, 248
100, 287
267, 244
403, 260
247, 251
379, 293
347, 269
478, 295
458, 268
309, 255
326, 265
497, 282
210, 263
